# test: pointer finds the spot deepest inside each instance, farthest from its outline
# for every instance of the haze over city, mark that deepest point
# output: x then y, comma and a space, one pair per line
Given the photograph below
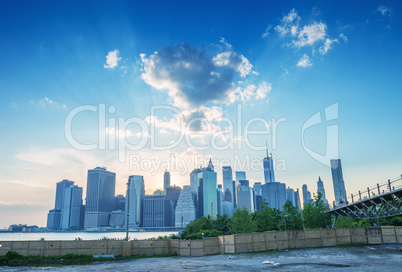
141, 88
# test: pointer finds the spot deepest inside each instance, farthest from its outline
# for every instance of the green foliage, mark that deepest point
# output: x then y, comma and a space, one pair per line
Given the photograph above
221, 223
292, 216
13, 255
265, 219
315, 214
345, 222
241, 222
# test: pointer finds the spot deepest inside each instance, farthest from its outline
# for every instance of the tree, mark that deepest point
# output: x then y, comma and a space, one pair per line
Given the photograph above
292, 216
241, 222
221, 223
264, 218
315, 214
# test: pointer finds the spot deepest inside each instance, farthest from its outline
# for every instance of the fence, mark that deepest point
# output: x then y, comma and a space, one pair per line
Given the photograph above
237, 243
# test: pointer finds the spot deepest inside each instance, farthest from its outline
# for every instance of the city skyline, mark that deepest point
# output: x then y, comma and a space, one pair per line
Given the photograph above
318, 80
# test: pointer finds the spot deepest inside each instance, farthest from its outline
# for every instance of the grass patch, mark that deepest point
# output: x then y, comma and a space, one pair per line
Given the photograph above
13, 258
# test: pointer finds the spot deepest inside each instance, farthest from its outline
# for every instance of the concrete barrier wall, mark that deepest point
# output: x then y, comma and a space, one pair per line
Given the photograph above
226, 244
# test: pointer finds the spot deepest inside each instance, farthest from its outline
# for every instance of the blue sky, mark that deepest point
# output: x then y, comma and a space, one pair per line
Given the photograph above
283, 61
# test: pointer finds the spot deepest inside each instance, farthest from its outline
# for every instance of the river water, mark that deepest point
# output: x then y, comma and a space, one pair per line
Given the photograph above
55, 236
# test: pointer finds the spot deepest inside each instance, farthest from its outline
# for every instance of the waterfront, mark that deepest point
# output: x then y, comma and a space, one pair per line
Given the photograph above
65, 236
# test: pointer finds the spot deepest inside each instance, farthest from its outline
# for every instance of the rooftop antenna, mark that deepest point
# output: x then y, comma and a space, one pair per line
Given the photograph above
266, 146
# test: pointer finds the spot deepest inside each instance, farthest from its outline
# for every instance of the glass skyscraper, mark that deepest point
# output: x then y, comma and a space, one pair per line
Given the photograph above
268, 165
306, 195
71, 212
229, 195
209, 199
320, 189
54, 220
339, 183
166, 181
245, 195
100, 197
135, 200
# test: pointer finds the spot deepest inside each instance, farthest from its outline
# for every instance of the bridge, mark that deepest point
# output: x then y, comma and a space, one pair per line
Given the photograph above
381, 201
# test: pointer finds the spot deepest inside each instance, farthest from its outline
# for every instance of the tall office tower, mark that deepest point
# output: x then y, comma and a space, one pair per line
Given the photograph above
157, 211
220, 196
135, 200
257, 202
227, 175
194, 180
208, 200
71, 211
54, 219
258, 188
290, 195
245, 196
306, 195
297, 200
100, 197
268, 165
239, 175
320, 189
339, 183
173, 195
274, 193
234, 194
54, 215
119, 203
166, 181
186, 210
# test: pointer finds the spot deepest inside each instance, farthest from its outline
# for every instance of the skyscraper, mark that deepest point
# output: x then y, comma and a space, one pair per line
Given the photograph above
290, 195
240, 175
257, 195
268, 165
166, 181
119, 203
71, 211
100, 197
135, 200
229, 195
339, 183
306, 195
157, 211
55, 215
297, 200
245, 196
208, 202
227, 184
186, 207
274, 193
320, 189
194, 180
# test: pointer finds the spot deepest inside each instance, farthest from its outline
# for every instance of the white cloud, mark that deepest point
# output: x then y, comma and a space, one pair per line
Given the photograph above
311, 34
289, 23
266, 33
304, 61
249, 92
191, 76
385, 11
327, 45
112, 59
343, 37
47, 102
